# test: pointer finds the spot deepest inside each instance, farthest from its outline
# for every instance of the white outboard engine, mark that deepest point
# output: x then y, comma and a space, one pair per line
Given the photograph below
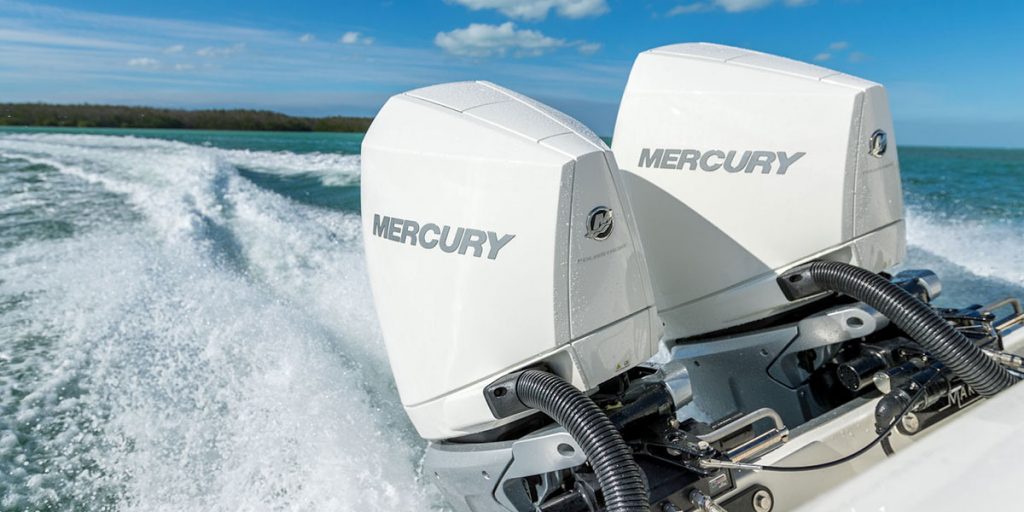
523, 281
761, 185
498, 237
743, 165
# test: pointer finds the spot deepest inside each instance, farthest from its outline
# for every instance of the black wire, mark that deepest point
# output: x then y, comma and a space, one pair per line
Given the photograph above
887, 448
862, 451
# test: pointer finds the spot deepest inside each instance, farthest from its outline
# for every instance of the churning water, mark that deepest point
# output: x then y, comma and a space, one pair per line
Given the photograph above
187, 327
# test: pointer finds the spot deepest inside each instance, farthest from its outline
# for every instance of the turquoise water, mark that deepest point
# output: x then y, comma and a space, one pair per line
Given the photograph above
185, 322
965, 219
965, 184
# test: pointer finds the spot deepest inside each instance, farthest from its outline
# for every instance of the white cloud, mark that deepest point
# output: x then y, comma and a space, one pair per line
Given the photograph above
307, 38
732, 6
482, 40
177, 48
689, 8
742, 5
355, 38
220, 51
588, 48
836, 50
534, 10
143, 62
59, 38
183, 67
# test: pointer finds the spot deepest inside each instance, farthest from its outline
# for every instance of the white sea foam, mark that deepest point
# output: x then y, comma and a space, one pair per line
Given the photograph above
990, 249
332, 169
218, 350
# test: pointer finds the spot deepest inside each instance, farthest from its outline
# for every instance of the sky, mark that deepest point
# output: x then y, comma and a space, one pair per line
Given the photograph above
954, 69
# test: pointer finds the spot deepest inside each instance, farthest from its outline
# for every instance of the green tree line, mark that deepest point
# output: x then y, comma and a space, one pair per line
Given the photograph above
114, 116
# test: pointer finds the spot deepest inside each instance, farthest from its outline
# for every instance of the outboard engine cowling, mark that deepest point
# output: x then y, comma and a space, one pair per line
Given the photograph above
498, 238
742, 165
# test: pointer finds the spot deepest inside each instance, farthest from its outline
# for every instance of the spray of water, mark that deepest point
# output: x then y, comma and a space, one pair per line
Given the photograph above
200, 344
988, 248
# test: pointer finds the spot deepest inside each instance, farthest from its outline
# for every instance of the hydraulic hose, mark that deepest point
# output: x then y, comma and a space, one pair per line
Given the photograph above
917, 319
621, 480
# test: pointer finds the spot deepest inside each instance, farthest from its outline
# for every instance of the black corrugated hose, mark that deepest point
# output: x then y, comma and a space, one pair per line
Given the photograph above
621, 481
918, 320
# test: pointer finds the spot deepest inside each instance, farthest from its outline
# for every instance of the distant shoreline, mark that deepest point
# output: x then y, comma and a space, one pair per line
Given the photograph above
46, 115
331, 124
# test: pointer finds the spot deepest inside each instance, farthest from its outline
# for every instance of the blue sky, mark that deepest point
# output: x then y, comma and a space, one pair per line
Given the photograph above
954, 69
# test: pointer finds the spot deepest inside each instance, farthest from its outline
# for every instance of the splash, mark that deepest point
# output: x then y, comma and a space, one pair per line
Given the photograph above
331, 168
978, 260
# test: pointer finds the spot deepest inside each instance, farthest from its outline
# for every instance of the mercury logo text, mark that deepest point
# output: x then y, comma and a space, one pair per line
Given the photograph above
450, 239
748, 162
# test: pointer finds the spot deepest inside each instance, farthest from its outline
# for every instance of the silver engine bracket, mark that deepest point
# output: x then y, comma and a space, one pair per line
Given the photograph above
485, 477
742, 373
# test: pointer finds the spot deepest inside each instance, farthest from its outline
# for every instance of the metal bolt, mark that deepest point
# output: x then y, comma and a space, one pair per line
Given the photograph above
704, 503
882, 381
703, 445
911, 423
762, 501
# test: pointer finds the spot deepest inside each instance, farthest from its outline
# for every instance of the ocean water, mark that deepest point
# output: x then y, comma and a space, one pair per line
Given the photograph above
185, 320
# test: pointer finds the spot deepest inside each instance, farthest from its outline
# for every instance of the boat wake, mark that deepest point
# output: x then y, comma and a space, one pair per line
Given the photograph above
978, 261
177, 337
